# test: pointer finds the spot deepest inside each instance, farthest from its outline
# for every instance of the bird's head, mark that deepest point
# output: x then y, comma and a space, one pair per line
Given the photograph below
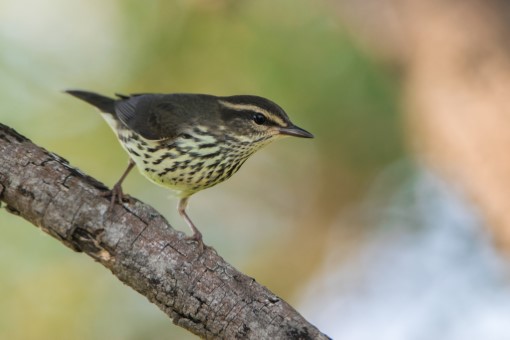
257, 120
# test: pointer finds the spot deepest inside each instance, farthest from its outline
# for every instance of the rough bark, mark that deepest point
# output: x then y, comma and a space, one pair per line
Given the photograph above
197, 289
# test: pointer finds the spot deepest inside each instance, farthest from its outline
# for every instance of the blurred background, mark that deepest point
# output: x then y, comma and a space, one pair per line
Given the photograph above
393, 223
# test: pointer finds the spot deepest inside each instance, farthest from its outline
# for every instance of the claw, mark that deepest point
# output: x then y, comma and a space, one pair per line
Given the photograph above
197, 235
116, 194
116, 191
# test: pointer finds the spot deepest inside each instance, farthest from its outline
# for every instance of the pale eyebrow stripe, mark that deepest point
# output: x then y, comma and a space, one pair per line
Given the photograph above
254, 108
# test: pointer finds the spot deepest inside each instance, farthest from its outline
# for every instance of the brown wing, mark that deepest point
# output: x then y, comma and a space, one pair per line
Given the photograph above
163, 116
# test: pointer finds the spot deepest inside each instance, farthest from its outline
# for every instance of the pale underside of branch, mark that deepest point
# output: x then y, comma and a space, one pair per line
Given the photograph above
197, 289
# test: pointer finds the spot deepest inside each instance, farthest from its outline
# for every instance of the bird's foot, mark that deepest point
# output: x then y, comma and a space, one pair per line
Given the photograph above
116, 194
197, 237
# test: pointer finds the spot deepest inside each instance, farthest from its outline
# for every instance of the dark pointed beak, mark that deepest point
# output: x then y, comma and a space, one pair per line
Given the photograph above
295, 131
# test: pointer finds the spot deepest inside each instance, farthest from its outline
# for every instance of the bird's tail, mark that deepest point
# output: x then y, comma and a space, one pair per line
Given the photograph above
105, 104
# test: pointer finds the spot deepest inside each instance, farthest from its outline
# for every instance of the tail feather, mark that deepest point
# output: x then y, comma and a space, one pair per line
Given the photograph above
103, 103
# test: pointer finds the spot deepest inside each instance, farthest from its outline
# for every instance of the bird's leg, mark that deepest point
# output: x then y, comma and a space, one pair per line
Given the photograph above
197, 235
116, 191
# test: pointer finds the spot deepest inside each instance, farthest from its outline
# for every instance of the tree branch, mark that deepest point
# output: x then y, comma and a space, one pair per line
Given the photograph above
198, 290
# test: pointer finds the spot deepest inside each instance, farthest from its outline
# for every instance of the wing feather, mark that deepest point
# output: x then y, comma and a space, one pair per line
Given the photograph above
163, 116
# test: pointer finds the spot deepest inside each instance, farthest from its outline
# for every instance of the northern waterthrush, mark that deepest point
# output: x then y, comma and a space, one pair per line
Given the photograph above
190, 142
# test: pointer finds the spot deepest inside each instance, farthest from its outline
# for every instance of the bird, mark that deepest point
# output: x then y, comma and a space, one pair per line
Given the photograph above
189, 142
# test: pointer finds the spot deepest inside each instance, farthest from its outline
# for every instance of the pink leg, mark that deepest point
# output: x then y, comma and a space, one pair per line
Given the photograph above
116, 191
197, 235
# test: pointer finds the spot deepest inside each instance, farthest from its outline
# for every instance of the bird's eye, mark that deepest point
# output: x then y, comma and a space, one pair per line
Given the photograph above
259, 118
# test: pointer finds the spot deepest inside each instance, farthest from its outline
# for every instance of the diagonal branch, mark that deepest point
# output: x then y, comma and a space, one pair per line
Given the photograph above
198, 290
